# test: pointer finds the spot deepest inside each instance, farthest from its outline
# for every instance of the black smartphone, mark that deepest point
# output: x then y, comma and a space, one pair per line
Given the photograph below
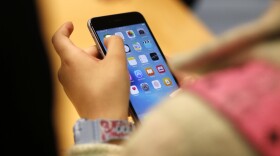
150, 76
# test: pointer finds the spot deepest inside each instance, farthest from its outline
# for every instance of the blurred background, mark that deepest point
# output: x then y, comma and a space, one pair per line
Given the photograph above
178, 25
222, 15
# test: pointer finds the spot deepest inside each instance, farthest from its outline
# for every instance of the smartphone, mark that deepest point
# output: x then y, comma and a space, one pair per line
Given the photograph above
151, 79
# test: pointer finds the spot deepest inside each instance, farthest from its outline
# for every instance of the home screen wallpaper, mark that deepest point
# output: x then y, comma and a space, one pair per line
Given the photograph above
150, 77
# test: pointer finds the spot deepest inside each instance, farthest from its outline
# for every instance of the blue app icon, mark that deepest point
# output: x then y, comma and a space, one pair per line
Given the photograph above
138, 74
147, 43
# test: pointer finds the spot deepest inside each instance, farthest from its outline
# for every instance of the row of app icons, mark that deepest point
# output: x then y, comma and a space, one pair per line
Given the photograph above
137, 46
129, 33
145, 86
149, 71
143, 59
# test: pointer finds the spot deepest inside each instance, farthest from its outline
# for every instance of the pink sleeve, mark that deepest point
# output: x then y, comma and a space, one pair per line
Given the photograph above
248, 95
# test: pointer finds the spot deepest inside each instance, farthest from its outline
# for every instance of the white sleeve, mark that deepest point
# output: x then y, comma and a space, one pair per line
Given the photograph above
185, 125
95, 150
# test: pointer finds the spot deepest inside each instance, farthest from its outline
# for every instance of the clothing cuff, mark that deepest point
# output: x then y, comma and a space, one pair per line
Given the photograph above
100, 149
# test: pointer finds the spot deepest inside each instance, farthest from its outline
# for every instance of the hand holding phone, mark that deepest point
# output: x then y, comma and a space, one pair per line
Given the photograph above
150, 77
82, 75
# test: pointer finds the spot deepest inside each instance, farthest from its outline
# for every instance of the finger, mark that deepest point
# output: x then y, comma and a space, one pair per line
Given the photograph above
115, 48
93, 51
61, 42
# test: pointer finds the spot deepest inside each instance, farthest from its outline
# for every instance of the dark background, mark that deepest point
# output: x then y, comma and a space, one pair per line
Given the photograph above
26, 84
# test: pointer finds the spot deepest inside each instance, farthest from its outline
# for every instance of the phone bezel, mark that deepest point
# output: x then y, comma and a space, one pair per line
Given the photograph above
117, 20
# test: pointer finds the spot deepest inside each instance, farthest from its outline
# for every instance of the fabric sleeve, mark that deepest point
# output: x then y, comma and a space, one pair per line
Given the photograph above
182, 125
95, 150
186, 125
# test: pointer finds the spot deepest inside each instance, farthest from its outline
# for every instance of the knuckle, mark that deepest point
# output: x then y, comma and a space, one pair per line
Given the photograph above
54, 38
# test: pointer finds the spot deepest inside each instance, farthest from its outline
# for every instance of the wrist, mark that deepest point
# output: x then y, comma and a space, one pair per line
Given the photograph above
97, 108
105, 113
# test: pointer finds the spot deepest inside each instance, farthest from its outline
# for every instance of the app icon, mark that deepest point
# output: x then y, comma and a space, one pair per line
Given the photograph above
138, 74
141, 31
137, 46
130, 33
132, 61
143, 58
120, 34
147, 44
160, 68
154, 56
126, 48
134, 90
145, 86
107, 35
167, 81
150, 71
156, 84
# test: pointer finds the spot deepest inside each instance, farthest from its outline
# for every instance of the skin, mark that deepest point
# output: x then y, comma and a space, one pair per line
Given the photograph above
98, 88
82, 76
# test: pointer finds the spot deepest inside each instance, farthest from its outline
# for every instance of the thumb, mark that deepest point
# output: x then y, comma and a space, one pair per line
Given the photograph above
61, 40
115, 49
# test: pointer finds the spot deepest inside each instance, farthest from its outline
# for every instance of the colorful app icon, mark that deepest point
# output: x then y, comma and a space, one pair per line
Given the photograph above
137, 46
145, 86
167, 81
160, 68
156, 84
141, 31
143, 58
150, 71
154, 56
147, 43
132, 61
138, 74
120, 34
130, 33
126, 48
134, 90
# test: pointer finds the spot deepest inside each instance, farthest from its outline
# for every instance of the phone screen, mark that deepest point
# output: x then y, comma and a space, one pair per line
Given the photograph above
150, 77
